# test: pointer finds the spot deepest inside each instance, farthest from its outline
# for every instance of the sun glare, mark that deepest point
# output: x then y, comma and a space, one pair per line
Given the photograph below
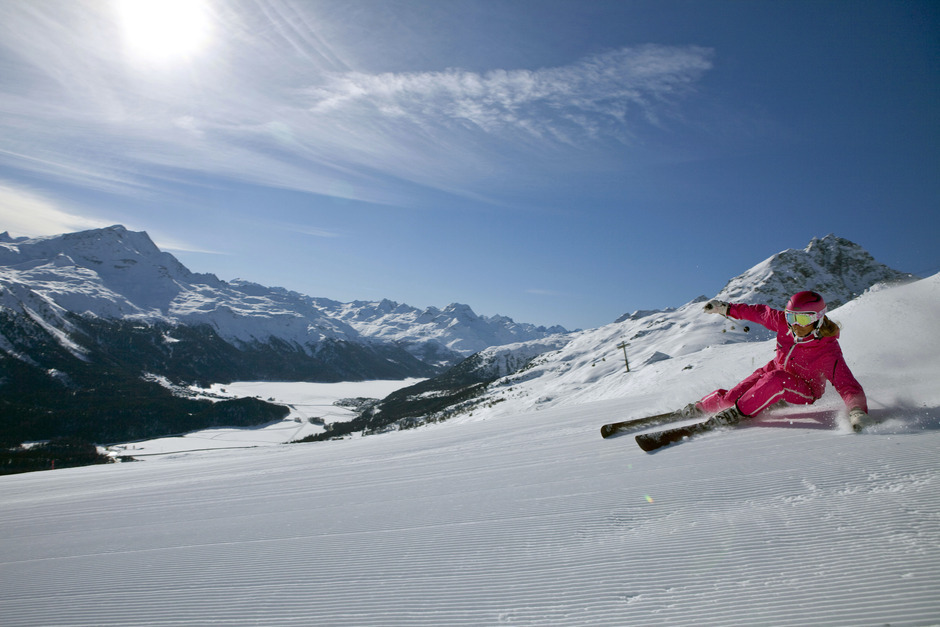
163, 30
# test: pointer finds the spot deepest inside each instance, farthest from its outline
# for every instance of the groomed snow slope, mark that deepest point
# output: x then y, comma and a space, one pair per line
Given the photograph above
528, 519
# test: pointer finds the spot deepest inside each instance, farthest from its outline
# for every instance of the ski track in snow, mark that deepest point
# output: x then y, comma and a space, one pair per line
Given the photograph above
536, 522
525, 519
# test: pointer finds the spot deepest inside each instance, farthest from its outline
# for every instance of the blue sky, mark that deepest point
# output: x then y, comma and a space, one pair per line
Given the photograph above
559, 162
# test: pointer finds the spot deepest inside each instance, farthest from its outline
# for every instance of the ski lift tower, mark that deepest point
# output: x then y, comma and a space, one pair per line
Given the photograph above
626, 361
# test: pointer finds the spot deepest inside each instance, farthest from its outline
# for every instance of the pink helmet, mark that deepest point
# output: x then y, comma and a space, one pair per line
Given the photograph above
806, 308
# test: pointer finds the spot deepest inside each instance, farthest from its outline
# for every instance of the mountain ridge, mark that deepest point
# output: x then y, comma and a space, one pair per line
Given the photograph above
835, 267
116, 273
91, 321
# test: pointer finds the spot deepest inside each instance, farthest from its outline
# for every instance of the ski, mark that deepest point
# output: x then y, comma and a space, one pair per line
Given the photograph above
615, 428
650, 442
657, 439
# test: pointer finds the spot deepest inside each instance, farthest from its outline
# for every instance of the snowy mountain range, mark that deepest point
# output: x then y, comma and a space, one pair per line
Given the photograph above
84, 312
114, 273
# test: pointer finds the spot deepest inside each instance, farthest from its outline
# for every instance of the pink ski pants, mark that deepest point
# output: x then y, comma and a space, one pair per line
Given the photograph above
759, 391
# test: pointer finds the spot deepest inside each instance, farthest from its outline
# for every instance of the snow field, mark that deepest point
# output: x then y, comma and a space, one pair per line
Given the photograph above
305, 400
534, 520
524, 519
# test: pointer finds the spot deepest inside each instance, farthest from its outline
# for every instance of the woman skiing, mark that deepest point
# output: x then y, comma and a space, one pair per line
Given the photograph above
808, 354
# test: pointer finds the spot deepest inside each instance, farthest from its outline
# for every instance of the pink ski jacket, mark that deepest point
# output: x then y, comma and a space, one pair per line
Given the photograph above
815, 360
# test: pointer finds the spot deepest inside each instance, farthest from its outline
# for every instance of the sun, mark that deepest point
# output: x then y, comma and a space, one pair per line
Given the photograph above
164, 30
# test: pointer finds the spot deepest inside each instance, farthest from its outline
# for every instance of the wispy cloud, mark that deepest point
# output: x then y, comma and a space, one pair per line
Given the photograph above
25, 212
317, 232
257, 110
172, 244
312, 231
606, 92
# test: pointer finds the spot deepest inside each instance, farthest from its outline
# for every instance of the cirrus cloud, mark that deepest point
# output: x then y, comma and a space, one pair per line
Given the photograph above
595, 92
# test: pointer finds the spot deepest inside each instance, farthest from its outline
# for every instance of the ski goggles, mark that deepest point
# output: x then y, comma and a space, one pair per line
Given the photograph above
804, 318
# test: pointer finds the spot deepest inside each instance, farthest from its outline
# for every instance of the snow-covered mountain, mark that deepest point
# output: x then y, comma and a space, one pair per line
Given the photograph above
456, 327
114, 273
592, 364
105, 313
838, 269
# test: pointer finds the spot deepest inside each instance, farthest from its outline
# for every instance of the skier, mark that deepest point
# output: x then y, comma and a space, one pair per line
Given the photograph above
808, 354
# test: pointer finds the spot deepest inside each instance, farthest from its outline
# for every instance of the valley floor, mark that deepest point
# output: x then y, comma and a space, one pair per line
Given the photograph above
311, 406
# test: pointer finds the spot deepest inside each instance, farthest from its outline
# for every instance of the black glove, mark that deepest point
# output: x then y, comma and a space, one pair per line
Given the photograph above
717, 307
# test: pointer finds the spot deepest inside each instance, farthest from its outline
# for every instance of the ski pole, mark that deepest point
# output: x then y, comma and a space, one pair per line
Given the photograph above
731, 320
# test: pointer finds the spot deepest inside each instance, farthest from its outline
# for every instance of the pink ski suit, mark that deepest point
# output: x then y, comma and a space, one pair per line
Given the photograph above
797, 374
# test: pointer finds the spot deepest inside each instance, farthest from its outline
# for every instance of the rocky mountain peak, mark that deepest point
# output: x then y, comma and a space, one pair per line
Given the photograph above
835, 267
